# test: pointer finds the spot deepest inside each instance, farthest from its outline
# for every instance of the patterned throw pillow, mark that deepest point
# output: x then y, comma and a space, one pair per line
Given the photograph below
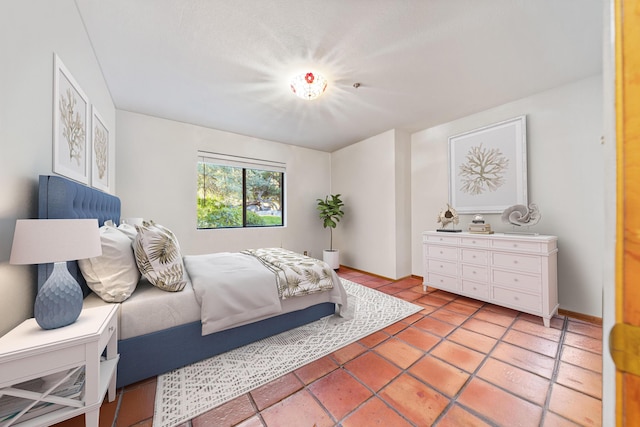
158, 256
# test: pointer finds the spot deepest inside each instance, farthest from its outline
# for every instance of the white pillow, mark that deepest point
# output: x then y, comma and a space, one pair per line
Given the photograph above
129, 230
114, 274
158, 257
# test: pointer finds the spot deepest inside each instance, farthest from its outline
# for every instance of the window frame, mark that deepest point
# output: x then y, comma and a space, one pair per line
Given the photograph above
244, 164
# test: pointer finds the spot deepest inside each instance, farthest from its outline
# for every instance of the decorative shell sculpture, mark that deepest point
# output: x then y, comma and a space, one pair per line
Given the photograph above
521, 215
448, 216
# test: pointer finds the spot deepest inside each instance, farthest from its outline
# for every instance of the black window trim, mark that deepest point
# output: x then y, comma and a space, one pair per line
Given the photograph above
245, 163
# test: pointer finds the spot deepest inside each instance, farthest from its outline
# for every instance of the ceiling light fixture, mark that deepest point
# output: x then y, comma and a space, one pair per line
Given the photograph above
308, 86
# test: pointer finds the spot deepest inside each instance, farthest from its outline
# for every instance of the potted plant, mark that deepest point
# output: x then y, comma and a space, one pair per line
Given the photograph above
330, 211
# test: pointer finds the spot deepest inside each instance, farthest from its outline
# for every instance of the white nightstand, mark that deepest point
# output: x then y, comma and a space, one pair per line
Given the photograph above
29, 353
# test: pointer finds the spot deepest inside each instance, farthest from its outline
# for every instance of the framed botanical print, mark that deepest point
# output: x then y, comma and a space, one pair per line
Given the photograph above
70, 125
100, 151
488, 167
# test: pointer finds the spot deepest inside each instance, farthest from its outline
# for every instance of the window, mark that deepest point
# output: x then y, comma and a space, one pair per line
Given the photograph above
239, 192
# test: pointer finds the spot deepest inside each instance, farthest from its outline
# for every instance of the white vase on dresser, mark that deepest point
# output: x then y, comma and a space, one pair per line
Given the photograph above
511, 270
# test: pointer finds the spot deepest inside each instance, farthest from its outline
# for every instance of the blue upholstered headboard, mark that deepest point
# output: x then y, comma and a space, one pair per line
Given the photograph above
60, 198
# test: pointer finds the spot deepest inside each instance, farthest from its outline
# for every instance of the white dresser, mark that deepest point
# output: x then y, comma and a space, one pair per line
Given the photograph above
511, 270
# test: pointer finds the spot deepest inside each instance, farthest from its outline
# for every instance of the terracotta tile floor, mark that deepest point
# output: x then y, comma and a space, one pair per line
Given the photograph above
459, 362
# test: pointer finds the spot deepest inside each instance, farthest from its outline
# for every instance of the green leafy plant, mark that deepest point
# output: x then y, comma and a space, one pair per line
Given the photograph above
330, 211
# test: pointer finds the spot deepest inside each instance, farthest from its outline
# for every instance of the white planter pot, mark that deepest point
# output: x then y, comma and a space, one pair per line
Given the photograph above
331, 257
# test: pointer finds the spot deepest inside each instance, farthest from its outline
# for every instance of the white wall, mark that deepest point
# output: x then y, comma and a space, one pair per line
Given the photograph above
30, 32
403, 203
565, 179
156, 168
373, 235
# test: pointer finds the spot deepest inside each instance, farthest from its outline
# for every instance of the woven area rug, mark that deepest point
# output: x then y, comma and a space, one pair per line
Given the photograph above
187, 392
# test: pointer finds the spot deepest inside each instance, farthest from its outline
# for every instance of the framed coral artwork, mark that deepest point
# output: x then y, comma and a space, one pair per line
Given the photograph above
488, 167
70, 125
99, 152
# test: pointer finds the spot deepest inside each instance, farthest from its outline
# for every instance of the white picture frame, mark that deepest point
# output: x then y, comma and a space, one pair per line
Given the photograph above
100, 152
70, 125
488, 167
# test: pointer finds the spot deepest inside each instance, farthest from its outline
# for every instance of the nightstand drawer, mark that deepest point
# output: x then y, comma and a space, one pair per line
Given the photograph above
41, 364
109, 330
442, 252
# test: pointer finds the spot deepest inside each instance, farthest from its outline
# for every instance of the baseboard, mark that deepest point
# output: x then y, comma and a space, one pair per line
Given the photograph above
370, 274
580, 316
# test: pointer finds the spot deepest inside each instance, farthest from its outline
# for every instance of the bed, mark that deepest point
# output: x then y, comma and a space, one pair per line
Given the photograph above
158, 330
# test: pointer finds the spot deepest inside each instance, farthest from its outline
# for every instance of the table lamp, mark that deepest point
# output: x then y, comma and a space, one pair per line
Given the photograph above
43, 241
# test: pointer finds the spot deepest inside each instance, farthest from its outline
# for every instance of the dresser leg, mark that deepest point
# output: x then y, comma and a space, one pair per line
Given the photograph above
547, 322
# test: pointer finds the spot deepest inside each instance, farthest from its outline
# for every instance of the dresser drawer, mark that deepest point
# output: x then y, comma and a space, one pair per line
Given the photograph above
515, 280
442, 267
441, 238
442, 282
518, 245
475, 242
476, 290
474, 256
474, 272
526, 263
442, 252
518, 299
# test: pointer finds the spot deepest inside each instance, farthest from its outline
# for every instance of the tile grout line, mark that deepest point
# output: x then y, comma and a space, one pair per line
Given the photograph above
454, 400
556, 368
543, 407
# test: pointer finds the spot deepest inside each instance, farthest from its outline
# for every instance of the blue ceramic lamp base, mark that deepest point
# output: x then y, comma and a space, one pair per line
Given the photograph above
59, 300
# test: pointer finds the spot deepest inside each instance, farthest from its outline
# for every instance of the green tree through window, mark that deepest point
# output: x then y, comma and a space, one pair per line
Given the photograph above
237, 196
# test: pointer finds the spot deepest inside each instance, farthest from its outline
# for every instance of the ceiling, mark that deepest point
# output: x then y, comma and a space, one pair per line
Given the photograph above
226, 64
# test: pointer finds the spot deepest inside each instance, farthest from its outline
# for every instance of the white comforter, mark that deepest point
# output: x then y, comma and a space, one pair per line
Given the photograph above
235, 288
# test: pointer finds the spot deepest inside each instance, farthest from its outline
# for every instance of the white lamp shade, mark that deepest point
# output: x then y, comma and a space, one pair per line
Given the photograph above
41, 241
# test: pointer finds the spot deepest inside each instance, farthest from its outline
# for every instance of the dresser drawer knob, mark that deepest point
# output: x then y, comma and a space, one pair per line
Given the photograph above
516, 298
515, 280
473, 256
475, 289
515, 261
111, 328
474, 272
